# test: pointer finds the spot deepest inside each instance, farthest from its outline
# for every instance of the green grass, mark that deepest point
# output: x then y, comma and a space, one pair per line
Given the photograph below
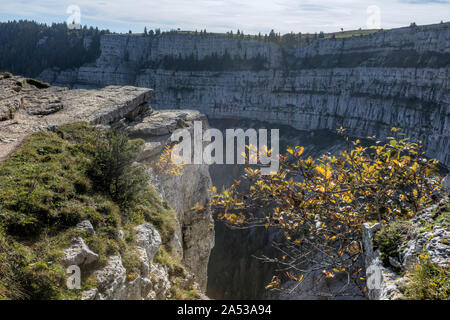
429, 282
389, 238
442, 215
351, 33
45, 190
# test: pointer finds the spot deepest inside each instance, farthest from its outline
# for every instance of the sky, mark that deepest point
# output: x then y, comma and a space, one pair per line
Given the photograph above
250, 16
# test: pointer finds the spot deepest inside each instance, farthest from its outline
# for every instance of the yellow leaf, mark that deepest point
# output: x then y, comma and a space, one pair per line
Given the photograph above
299, 152
320, 170
328, 173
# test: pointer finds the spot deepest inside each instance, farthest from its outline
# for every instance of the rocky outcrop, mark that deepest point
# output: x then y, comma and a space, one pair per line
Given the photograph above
86, 226
194, 238
31, 109
78, 253
368, 84
152, 281
388, 282
381, 281
112, 281
26, 104
148, 240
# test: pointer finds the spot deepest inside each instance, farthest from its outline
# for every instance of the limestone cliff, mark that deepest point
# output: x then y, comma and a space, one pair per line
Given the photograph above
194, 238
368, 84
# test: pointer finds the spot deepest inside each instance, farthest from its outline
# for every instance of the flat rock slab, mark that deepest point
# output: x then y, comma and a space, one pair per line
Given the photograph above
25, 109
163, 122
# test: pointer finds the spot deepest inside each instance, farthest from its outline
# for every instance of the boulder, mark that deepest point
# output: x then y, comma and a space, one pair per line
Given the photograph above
79, 253
148, 238
85, 226
111, 280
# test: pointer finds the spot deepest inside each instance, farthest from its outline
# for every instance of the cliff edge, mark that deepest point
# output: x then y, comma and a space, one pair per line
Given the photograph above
35, 115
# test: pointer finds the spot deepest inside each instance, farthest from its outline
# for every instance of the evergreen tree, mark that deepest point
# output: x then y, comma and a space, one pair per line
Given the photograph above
27, 47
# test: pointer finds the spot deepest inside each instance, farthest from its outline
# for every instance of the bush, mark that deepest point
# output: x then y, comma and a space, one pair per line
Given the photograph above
37, 83
113, 170
389, 238
5, 75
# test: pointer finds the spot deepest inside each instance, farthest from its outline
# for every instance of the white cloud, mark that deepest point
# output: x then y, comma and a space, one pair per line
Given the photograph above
252, 16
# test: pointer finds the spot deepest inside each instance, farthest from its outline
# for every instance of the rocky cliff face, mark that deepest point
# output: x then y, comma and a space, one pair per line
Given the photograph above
194, 238
368, 84
427, 240
27, 108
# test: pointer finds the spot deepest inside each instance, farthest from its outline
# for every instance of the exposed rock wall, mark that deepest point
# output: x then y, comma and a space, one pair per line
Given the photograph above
388, 282
367, 84
194, 238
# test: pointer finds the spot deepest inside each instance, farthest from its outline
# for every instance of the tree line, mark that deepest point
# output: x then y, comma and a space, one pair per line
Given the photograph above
28, 47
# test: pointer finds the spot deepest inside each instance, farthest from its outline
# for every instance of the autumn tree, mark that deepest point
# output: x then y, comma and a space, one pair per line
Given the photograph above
320, 205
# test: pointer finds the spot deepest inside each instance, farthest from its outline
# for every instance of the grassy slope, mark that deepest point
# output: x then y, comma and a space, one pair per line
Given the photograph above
44, 192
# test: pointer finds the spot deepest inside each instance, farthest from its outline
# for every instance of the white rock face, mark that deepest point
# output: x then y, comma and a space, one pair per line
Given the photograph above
194, 237
434, 241
148, 238
380, 280
85, 226
152, 282
368, 84
79, 253
111, 280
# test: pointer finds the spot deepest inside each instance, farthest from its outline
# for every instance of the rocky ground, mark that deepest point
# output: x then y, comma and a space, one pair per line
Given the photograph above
26, 107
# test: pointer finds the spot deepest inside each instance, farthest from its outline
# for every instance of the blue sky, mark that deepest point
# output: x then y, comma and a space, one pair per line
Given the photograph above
251, 16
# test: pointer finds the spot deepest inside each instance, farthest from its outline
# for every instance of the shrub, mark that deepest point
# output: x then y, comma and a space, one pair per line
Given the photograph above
442, 215
113, 169
389, 238
5, 75
37, 83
